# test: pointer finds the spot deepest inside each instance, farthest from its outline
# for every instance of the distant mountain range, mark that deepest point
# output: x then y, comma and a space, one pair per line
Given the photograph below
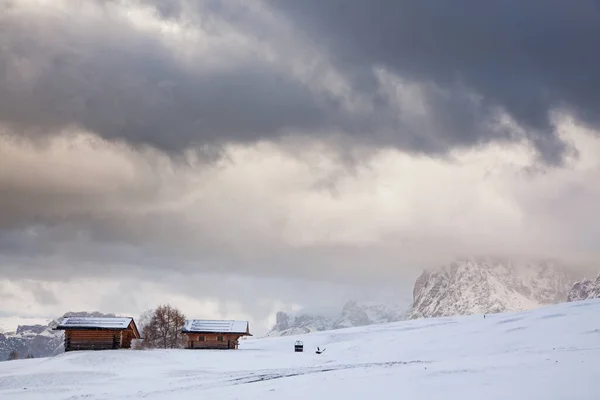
354, 313
463, 287
38, 340
483, 286
468, 286
33, 340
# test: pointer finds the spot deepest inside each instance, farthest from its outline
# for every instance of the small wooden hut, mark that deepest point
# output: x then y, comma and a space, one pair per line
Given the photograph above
212, 334
82, 333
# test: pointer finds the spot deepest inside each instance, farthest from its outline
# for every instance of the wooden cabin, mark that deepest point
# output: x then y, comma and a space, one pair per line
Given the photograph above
211, 334
98, 333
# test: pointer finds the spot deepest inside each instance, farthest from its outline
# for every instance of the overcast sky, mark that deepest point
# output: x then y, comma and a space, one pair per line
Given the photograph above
234, 158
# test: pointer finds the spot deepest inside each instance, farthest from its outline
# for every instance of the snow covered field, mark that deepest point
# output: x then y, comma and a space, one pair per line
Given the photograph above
549, 353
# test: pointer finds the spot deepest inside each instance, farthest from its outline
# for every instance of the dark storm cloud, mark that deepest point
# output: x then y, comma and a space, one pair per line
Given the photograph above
122, 83
170, 9
471, 60
525, 57
55, 253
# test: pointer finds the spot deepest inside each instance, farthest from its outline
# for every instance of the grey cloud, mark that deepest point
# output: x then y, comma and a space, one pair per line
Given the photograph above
170, 9
73, 206
84, 207
122, 83
471, 61
41, 292
61, 253
525, 58
52, 257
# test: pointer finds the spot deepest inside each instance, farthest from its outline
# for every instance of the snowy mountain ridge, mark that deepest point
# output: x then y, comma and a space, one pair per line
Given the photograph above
354, 313
31, 340
585, 289
489, 285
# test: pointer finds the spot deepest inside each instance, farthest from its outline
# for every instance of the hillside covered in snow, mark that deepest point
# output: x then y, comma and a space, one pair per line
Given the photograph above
485, 286
354, 313
551, 353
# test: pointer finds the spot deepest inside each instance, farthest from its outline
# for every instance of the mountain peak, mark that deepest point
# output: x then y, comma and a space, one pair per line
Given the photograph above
353, 313
489, 285
585, 289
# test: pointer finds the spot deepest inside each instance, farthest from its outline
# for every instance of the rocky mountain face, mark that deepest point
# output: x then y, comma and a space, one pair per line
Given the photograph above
31, 340
38, 340
489, 286
585, 289
354, 313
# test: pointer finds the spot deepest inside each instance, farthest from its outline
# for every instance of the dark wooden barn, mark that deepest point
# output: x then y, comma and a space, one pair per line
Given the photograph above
212, 334
98, 333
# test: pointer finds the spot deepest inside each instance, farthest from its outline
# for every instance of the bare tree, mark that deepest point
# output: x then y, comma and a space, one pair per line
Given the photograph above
14, 355
164, 328
142, 322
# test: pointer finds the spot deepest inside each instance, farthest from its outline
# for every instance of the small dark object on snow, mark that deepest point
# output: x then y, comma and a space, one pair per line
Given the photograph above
298, 347
319, 351
483, 316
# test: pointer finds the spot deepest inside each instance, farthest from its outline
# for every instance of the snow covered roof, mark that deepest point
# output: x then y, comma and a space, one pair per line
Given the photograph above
215, 326
94, 323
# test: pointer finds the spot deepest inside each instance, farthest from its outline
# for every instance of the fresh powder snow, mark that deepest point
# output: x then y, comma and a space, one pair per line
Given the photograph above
551, 353
102, 322
204, 325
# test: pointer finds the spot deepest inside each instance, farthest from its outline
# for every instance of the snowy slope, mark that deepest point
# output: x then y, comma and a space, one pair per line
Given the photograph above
354, 313
551, 353
484, 286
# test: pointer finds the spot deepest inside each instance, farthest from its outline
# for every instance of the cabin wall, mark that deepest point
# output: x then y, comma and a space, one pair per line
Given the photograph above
126, 338
194, 341
97, 339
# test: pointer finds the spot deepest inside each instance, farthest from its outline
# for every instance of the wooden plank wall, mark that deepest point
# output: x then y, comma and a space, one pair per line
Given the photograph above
98, 339
92, 340
230, 341
126, 338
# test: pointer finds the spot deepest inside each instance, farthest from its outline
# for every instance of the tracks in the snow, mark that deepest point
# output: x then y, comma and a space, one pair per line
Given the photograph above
248, 377
270, 375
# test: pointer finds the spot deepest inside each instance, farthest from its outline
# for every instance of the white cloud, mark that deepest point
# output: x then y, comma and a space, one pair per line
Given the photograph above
265, 213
